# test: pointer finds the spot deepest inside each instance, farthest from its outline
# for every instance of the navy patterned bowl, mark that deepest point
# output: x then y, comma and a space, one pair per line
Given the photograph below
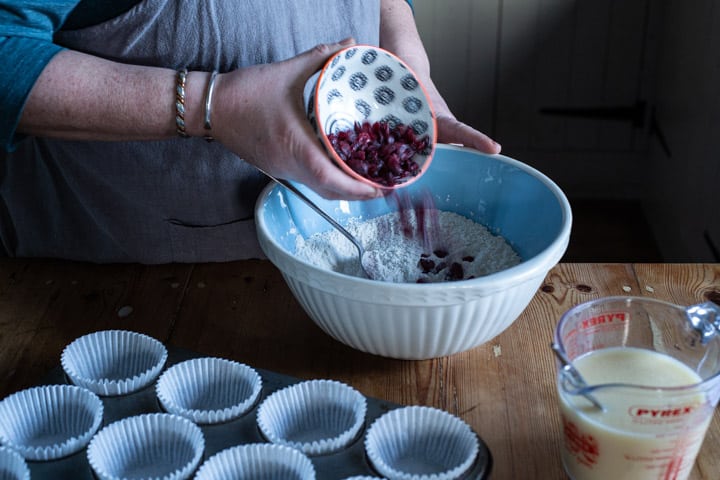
373, 116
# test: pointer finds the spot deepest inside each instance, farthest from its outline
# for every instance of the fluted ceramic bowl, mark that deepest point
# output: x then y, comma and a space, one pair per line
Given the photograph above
426, 320
365, 86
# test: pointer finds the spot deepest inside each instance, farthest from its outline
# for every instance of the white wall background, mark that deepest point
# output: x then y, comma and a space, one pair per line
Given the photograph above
683, 195
499, 63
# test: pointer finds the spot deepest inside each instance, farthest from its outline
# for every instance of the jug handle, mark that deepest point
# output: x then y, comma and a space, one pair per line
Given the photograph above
705, 318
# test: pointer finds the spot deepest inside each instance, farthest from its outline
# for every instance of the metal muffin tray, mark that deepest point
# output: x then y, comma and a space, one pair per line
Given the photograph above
348, 462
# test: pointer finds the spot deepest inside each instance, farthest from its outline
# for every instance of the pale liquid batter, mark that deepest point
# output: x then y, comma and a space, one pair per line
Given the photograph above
639, 436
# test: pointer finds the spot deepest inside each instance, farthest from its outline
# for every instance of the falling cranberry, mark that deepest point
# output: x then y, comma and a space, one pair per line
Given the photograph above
455, 272
380, 153
440, 266
426, 265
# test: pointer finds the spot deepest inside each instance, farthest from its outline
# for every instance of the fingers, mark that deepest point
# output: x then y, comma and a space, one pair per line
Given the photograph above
315, 58
320, 173
451, 130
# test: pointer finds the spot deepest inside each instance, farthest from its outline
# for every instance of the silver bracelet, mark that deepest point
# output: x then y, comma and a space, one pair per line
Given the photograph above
180, 103
208, 105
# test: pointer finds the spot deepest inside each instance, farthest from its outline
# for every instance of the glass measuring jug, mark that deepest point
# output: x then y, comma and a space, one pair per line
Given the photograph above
654, 367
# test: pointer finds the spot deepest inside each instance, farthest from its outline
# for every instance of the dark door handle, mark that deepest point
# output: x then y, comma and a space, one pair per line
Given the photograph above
634, 114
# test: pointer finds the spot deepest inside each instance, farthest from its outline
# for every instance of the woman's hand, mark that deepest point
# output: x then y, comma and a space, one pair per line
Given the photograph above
452, 130
398, 34
258, 113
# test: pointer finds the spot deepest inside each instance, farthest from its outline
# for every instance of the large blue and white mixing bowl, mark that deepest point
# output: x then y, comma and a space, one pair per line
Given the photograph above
427, 320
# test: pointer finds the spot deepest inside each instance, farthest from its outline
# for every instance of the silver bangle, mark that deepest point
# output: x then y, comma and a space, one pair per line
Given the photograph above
208, 105
180, 103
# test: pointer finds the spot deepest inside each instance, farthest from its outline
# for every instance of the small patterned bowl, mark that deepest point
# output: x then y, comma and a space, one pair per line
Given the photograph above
363, 84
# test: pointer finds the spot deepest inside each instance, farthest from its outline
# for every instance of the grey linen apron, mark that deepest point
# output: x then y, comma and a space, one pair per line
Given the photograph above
180, 200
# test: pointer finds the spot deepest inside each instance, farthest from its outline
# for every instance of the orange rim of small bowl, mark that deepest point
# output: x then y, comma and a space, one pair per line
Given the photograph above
331, 151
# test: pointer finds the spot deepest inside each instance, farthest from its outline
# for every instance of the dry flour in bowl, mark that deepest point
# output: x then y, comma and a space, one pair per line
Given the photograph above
435, 246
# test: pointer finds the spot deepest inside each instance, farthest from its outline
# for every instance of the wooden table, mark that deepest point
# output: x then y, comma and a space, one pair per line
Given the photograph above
244, 311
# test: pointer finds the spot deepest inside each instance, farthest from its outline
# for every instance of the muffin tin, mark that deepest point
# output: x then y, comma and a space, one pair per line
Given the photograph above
348, 460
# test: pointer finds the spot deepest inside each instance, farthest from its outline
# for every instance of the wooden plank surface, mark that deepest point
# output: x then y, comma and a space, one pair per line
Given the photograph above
504, 389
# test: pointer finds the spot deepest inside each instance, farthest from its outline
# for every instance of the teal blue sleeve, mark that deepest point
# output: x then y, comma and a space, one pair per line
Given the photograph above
411, 5
26, 46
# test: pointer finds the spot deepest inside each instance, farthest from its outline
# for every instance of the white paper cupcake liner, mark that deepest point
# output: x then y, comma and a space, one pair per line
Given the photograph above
50, 421
149, 446
113, 362
364, 477
255, 461
208, 390
12, 465
316, 416
420, 443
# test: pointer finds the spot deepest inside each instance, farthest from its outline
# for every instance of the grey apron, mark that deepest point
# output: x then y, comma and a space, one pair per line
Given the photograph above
180, 200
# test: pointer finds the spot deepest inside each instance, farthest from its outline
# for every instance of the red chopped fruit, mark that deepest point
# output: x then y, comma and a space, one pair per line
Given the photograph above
426, 265
379, 153
433, 267
455, 272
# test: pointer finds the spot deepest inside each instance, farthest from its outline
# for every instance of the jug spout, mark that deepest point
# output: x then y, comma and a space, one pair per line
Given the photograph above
705, 318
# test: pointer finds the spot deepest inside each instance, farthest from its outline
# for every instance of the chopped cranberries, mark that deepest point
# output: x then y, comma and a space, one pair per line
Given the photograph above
426, 265
455, 272
436, 263
433, 267
380, 153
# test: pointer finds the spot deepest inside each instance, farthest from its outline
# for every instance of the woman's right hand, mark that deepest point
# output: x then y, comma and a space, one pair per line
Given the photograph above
258, 114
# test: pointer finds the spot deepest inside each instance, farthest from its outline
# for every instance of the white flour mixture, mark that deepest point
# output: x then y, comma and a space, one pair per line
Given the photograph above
458, 248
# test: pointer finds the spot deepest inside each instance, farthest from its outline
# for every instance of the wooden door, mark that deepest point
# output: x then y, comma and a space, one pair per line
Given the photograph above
683, 179
563, 85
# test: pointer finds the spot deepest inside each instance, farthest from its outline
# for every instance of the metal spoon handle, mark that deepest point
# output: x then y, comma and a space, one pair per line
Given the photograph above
323, 214
576, 377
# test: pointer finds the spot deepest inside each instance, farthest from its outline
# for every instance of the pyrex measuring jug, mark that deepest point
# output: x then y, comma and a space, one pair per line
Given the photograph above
654, 367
